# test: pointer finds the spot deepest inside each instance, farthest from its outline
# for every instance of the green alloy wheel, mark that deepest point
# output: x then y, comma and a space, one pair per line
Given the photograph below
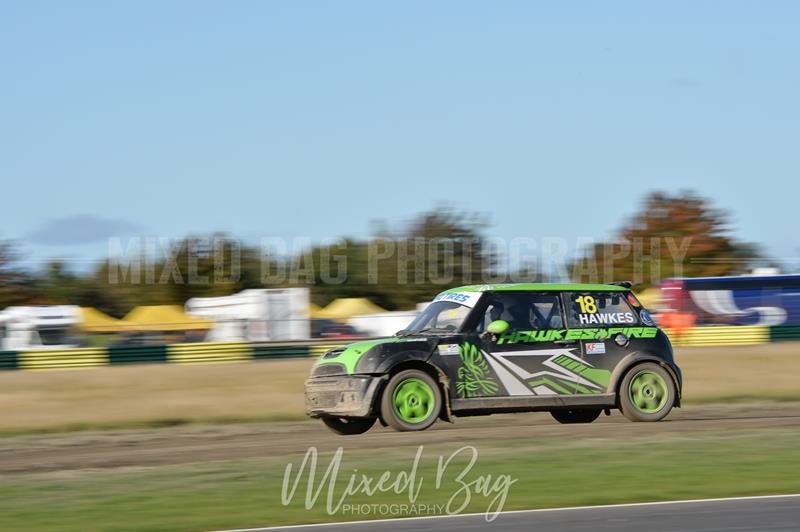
414, 400
647, 393
411, 401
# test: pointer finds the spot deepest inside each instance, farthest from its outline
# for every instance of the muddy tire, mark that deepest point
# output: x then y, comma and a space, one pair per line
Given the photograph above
411, 401
647, 393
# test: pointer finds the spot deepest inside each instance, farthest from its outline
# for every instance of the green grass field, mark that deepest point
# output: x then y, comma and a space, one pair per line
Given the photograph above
548, 473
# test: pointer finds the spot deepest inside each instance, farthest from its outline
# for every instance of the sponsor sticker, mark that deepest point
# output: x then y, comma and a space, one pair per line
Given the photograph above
647, 319
553, 335
449, 349
468, 299
595, 348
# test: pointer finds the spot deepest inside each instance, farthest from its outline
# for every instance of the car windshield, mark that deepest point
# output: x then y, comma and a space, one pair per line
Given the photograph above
439, 316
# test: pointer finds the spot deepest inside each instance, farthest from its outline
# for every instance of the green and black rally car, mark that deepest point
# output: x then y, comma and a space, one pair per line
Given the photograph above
574, 350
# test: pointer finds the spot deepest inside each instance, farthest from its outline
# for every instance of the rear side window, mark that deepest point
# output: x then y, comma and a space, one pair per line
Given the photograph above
599, 309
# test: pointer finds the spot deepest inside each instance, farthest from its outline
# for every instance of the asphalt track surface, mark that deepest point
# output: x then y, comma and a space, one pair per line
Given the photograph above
762, 514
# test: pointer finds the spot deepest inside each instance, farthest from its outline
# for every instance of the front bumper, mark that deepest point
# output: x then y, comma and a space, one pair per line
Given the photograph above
345, 396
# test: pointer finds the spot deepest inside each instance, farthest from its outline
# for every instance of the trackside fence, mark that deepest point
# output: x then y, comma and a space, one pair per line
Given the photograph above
194, 353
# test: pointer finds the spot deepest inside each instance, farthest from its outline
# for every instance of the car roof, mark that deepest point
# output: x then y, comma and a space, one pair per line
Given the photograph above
539, 287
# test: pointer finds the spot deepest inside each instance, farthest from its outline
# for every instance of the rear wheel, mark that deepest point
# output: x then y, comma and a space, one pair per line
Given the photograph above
411, 401
349, 426
647, 393
585, 415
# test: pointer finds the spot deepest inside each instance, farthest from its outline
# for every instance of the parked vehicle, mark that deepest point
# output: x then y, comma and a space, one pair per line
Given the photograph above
322, 328
255, 315
38, 327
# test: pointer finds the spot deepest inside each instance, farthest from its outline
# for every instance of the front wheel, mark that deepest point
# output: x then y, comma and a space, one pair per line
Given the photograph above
585, 415
348, 426
411, 401
647, 393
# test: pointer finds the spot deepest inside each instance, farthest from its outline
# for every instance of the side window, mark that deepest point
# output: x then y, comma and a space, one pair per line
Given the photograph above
598, 309
523, 312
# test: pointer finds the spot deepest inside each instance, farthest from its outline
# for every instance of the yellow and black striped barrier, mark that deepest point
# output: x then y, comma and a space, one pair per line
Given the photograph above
190, 353
206, 353
723, 335
63, 358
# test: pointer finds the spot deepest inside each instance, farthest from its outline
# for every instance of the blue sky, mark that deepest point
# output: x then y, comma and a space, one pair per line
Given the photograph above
311, 119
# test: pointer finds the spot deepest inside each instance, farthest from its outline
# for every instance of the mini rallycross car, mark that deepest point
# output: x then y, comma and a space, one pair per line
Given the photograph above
574, 350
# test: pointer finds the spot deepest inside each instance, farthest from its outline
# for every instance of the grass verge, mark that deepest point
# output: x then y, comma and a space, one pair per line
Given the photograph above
247, 493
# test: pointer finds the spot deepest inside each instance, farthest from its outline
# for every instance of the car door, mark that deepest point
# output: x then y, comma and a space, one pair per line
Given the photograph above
599, 317
532, 357
460, 353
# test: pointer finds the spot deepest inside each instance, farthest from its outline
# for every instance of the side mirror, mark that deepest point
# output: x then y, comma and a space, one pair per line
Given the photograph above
497, 327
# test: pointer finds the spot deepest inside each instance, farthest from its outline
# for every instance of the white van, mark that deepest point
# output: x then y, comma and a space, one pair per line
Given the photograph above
42, 327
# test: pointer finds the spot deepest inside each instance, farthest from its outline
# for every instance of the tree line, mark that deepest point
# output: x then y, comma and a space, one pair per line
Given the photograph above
671, 235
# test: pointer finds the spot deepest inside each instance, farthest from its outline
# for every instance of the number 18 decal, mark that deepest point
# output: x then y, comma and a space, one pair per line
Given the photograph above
587, 304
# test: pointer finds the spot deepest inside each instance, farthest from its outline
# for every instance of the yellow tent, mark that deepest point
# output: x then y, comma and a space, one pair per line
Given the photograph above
163, 318
94, 321
347, 307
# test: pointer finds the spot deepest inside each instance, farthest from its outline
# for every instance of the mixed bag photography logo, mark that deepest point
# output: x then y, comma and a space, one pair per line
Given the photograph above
450, 484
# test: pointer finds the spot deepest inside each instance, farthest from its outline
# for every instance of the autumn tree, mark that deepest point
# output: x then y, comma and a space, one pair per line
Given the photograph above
679, 235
